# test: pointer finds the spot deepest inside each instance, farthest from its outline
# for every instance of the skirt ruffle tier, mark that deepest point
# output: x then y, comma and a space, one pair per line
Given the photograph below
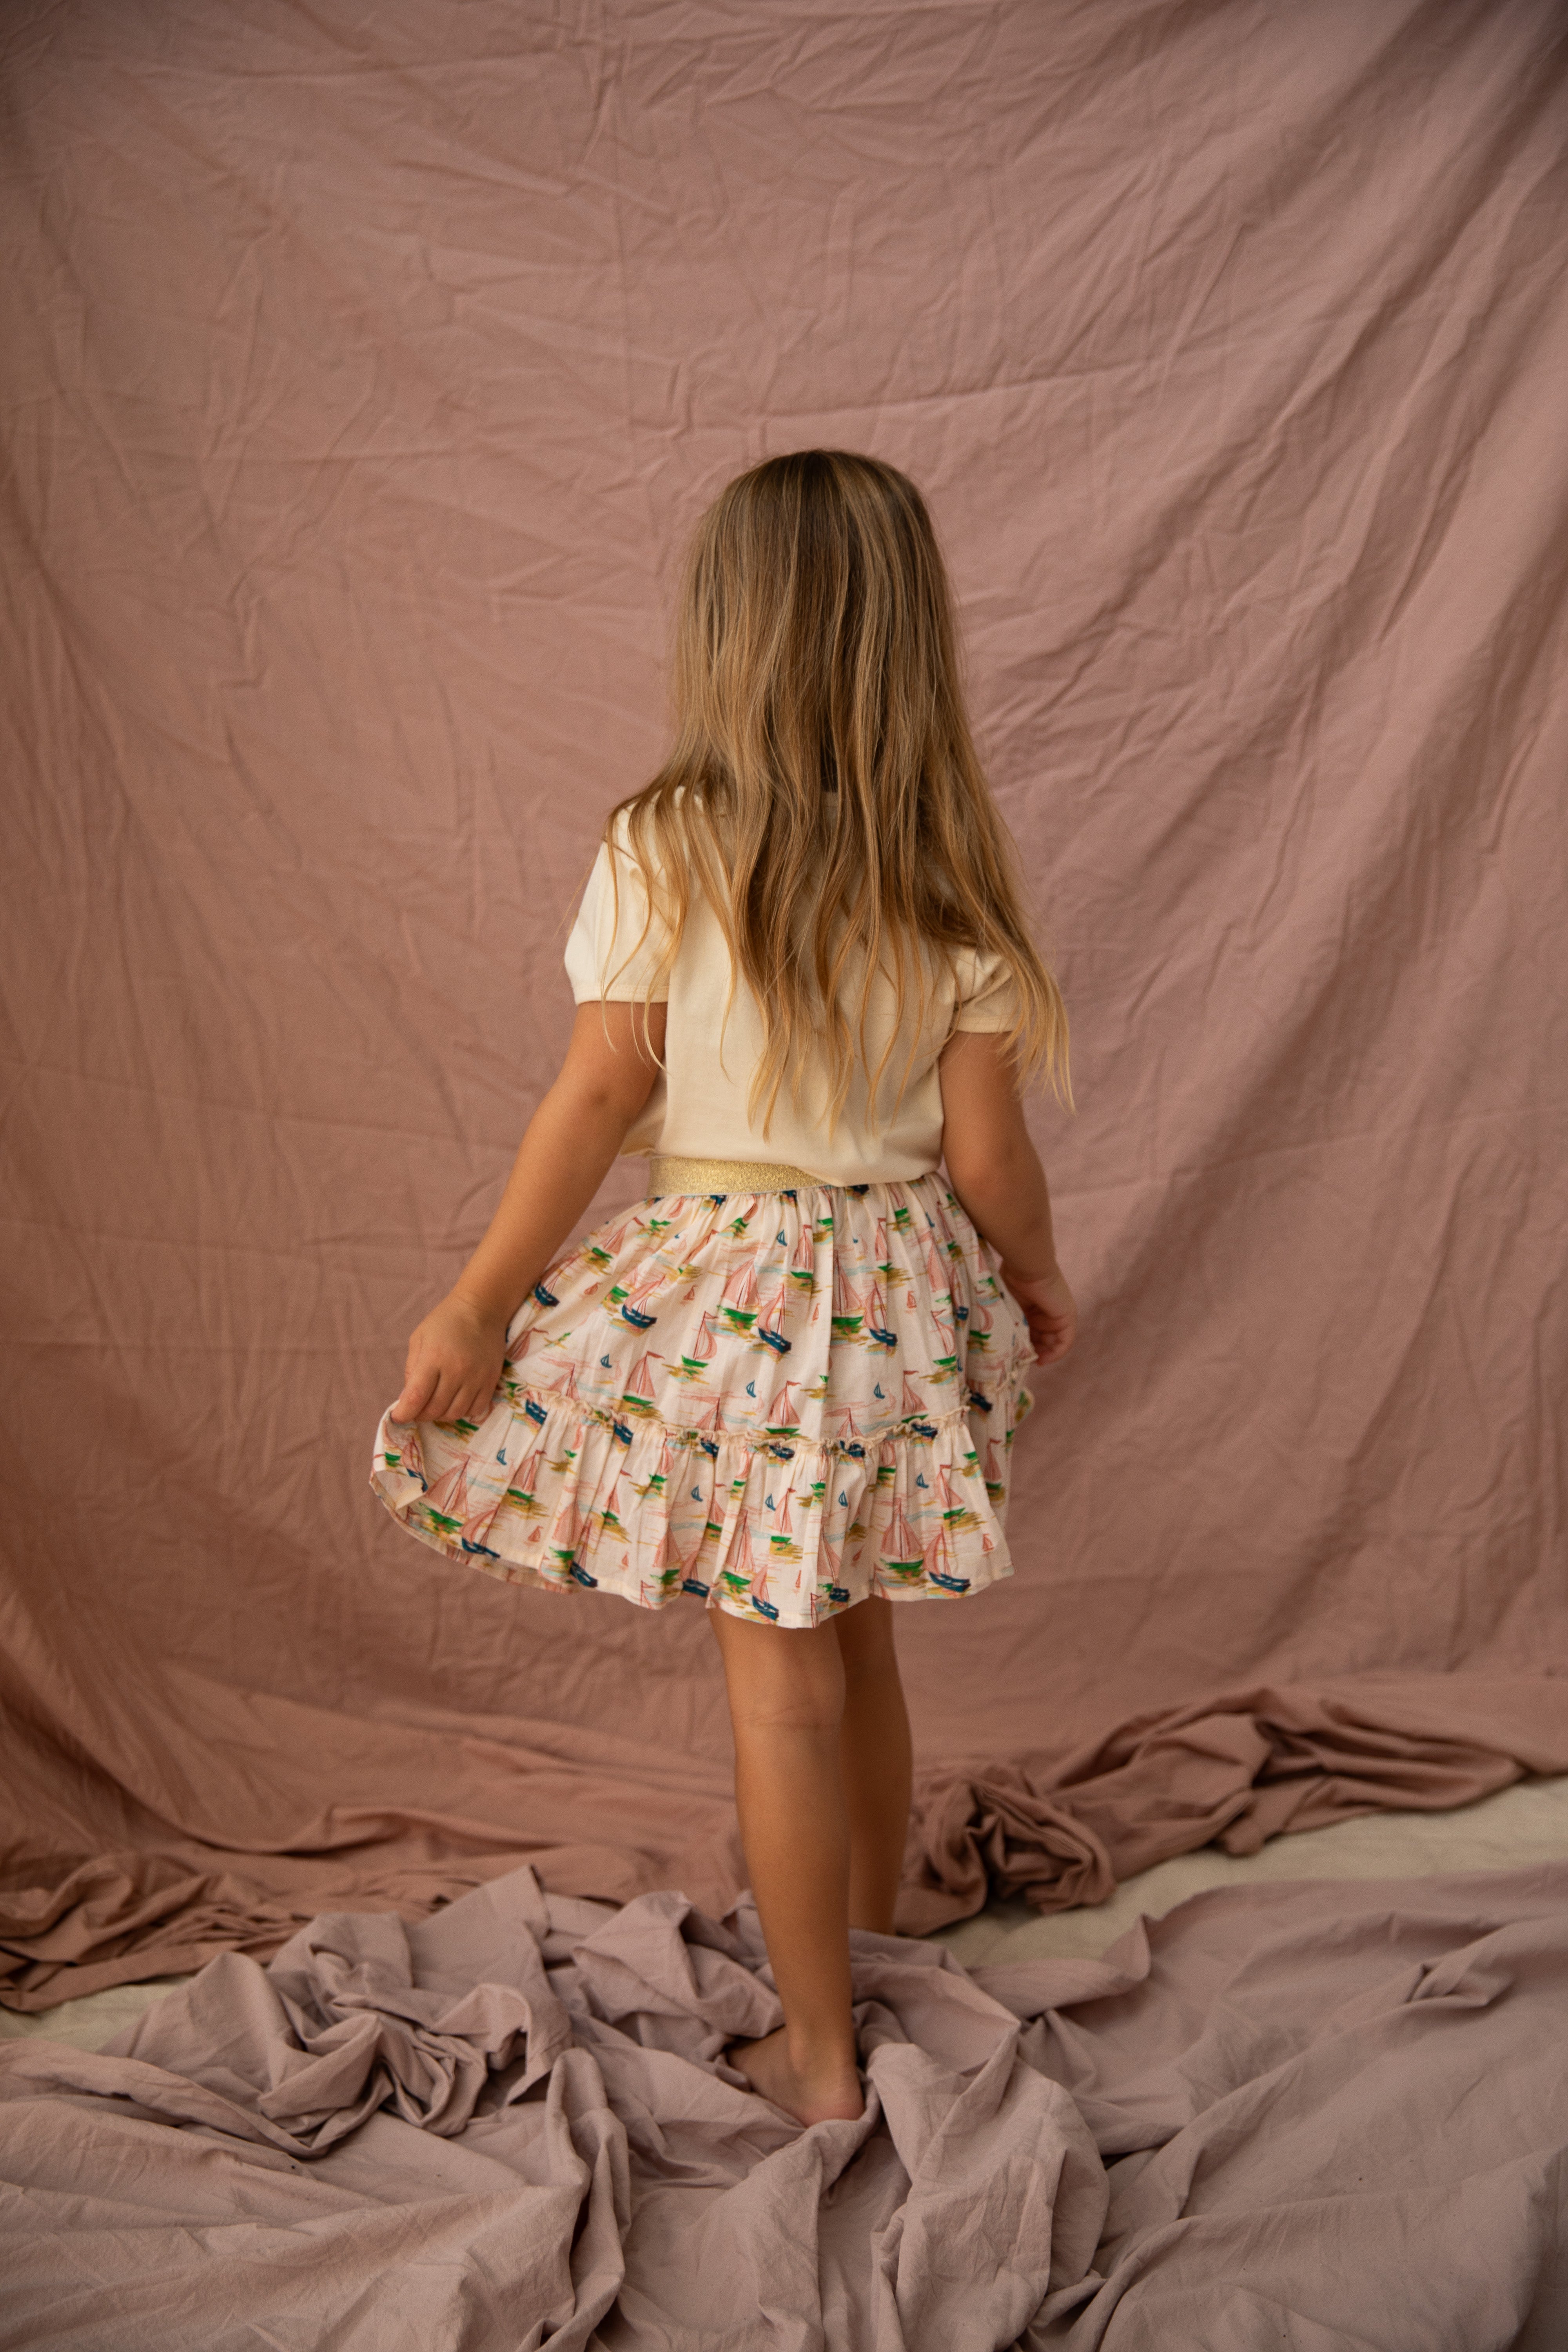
779, 1403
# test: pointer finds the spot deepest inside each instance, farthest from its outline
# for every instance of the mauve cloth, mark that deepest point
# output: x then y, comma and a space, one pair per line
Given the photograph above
598, 1815
365, 372
1313, 2115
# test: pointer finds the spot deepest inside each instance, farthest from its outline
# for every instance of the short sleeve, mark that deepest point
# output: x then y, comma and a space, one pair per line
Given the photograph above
987, 993
602, 957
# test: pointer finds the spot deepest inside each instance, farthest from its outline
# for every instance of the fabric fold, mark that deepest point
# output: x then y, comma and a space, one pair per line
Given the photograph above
393, 2126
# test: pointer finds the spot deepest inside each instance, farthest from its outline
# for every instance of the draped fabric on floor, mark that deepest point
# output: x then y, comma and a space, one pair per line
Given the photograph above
365, 370
1254, 2122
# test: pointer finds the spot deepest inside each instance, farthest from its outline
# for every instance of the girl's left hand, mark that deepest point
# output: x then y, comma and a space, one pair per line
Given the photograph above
453, 1364
1049, 1309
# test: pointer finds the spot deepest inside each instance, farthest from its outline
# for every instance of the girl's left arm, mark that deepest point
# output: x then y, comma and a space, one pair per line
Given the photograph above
573, 1139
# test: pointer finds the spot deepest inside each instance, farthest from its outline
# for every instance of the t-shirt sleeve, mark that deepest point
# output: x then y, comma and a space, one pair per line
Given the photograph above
988, 994
604, 960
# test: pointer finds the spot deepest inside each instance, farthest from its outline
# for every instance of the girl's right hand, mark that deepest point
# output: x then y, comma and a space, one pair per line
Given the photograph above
454, 1365
1049, 1309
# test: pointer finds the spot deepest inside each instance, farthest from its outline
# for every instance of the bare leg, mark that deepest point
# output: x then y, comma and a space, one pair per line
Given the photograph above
786, 1705
875, 1762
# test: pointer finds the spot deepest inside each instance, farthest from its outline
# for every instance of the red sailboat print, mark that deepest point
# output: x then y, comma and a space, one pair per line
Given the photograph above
770, 1324
656, 1482
848, 1310
639, 1393
781, 1419
711, 1423
802, 1263
756, 1570
562, 1380
565, 1538
739, 1303
447, 1499
955, 1511
901, 1554
943, 1569
667, 1572
781, 1544
623, 1303
877, 1326
944, 1366
696, 1360
521, 1494
446, 1508
607, 1518
849, 1432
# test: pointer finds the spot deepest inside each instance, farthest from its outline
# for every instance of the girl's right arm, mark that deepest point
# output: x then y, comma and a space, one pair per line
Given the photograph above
573, 1139
997, 1173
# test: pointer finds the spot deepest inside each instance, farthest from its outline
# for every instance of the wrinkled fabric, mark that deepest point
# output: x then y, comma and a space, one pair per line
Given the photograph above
1305, 2113
779, 1403
365, 370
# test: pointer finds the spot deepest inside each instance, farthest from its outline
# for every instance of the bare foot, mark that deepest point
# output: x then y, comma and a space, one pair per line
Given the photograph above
829, 2093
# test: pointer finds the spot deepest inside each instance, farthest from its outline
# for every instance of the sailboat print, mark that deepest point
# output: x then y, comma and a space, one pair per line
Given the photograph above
901, 1553
566, 1535
770, 1328
782, 1409
877, 1319
944, 1365
955, 1512
603, 1254
446, 1505
832, 1590
737, 1302
756, 1577
656, 1482
710, 1427
849, 1433
695, 1362
607, 1518
981, 1321
637, 1396
943, 1569
781, 1544
667, 1572
802, 1264
782, 1486
848, 1312
519, 1495
622, 1300
735, 1575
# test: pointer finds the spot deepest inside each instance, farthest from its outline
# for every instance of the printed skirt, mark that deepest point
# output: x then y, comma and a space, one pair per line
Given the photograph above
777, 1402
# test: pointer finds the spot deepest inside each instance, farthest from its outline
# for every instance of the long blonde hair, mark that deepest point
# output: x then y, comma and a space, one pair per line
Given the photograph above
824, 792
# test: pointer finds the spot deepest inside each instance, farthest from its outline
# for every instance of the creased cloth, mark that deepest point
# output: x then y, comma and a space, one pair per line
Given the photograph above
250, 1858
511, 2124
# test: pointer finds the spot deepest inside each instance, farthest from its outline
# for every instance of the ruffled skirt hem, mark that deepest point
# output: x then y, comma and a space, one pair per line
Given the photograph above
570, 1497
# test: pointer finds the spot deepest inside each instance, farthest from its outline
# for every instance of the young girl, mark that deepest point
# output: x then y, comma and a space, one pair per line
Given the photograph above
787, 1383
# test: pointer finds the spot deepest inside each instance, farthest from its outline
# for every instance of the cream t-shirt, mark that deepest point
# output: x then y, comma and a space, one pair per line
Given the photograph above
697, 1108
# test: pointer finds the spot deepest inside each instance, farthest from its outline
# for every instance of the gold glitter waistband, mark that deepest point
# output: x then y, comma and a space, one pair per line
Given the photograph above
726, 1176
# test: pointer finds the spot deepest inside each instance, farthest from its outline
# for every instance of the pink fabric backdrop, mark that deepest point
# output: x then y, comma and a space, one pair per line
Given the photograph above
365, 370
